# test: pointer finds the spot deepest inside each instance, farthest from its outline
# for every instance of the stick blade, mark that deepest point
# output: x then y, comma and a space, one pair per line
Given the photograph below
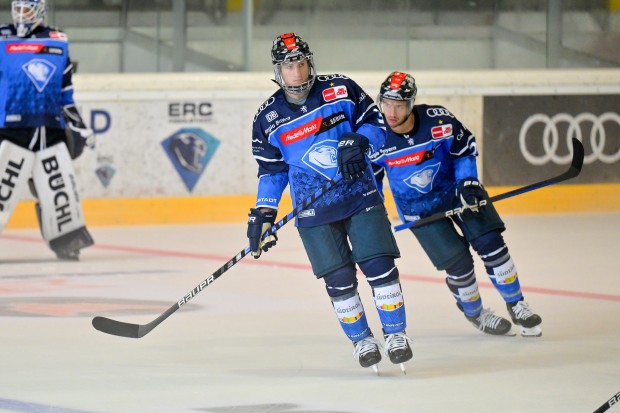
116, 328
578, 155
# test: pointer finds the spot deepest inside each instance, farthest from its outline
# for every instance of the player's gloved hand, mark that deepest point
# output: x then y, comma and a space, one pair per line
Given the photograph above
352, 149
258, 223
470, 192
87, 134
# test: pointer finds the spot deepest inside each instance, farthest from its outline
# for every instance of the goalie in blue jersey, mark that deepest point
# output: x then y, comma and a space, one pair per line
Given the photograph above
41, 130
313, 127
429, 158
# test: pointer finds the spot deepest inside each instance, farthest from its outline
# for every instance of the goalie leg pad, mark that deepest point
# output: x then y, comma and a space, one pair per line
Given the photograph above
61, 217
15, 168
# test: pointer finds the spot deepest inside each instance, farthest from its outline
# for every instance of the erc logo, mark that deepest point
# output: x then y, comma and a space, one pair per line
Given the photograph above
190, 150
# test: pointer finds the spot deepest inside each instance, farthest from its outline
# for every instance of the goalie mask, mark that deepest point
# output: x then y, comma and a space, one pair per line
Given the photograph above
27, 15
398, 86
288, 48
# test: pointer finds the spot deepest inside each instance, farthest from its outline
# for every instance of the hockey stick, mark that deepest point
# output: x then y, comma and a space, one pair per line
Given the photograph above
573, 171
609, 403
119, 328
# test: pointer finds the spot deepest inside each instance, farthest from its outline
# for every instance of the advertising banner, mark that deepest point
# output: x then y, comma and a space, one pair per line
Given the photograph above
527, 138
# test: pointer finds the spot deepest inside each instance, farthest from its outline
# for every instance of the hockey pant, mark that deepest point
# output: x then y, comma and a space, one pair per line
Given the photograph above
382, 275
59, 210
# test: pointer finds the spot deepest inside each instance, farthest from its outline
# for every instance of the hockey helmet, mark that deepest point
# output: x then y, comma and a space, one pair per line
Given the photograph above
290, 47
27, 15
398, 86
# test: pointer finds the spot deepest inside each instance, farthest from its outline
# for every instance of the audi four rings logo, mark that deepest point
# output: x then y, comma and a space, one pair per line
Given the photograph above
551, 137
433, 112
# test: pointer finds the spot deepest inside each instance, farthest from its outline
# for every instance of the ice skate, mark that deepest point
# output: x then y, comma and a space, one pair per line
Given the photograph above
397, 348
367, 353
523, 316
489, 323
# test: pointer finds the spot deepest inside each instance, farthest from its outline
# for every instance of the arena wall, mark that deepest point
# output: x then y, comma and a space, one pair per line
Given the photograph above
175, 148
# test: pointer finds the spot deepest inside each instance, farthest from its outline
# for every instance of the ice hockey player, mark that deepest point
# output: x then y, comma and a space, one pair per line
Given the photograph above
429, 158
41, 130
312, 127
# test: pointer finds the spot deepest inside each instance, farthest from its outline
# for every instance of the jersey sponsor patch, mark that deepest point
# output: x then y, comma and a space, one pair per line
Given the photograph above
409, 159
336, 92
331, 121
301, 132
442, 131
24, 47
58, 35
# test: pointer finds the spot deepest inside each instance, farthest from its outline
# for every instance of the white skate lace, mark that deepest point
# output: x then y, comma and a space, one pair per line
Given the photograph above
395, 341
367, 345
522, 310
488, 319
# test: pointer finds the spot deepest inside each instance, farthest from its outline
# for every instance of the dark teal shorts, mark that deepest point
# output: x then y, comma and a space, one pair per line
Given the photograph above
443, 243
365, 235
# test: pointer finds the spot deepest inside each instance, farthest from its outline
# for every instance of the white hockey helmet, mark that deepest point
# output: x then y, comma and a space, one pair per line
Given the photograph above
290, 47
28, 14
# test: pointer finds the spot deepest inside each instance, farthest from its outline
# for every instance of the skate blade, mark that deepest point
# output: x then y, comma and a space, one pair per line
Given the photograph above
510, 333
403, 369
530, 332
375, 369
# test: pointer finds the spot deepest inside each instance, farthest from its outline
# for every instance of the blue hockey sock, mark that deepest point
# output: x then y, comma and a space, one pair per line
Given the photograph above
390, 306
350, 312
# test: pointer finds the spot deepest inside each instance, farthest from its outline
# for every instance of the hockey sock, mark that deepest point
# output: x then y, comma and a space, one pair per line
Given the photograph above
499, 265
464, 288
350, 313
390, 306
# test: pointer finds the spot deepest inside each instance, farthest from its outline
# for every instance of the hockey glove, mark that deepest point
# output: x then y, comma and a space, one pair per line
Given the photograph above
352, 149
470, 192
258, 223
77, 133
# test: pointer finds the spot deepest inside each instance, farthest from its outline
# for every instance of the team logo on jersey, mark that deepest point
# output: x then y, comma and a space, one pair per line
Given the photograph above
409, 159
40, 72
322, 157
442, 131
422, 180
301, 132
336, 92
190, 150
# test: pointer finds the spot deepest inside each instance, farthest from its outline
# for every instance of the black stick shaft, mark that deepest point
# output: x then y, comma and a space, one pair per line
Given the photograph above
573, 171
119, 328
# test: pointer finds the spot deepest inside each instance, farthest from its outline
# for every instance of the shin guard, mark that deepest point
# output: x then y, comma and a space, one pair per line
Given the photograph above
390, 306
350, 313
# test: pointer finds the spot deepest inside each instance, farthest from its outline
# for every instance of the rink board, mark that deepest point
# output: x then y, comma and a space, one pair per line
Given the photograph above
221, 209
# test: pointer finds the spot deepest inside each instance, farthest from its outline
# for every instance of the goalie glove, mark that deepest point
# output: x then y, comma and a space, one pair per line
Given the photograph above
352, 149
471, 193
77, 133
258, 223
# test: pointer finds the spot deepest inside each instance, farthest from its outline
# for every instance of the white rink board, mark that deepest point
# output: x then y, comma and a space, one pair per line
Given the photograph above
138, 107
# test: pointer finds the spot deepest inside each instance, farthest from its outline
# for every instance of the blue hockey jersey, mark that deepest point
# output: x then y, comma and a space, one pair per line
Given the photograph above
35, 78
297, 146
424, 165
